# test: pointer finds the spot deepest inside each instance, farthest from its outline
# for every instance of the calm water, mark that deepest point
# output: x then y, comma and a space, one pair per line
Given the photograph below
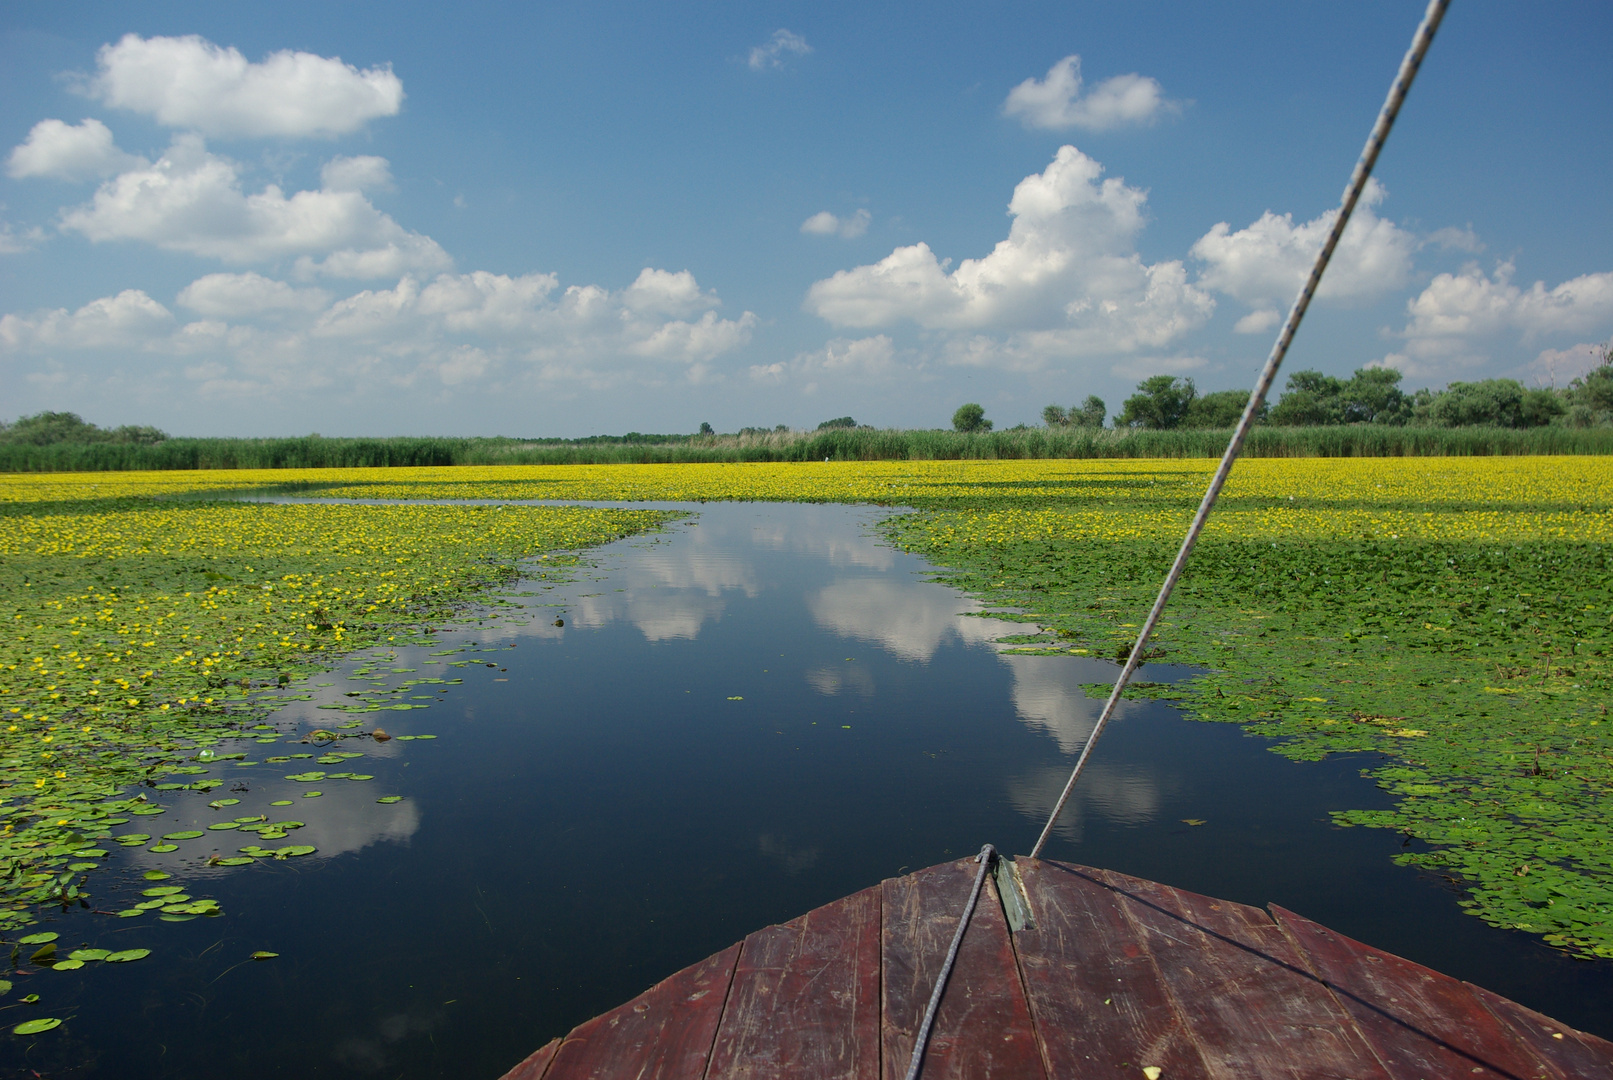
756, 712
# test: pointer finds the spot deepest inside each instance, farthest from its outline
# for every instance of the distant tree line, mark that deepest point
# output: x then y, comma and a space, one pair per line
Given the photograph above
50, 428
1369, 396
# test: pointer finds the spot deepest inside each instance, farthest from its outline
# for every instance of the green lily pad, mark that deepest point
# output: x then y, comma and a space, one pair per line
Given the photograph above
264, 955
312, 794
176, 918
29, 999
43, 955
38, 939
295, 850
156, 875
281, 802
5, 987
219, 804
88, 954
126, 955
361, 776
390, 799
255, 851
34, 1027
219, 826
235, 860
129, 913
148, 810
187, 834
75, 867
67, 965
90, 853
163, 849
161, 890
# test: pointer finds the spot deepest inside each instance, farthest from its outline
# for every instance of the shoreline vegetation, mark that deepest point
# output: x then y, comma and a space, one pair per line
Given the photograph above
835, 444
147, 642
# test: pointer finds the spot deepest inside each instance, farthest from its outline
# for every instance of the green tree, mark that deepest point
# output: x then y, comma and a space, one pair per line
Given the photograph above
1370, 396
707, 429
1222, 409
970, 417
1488, 403
837, 422
49, 428
1161, 402
1589, 398
1055, 416
1091, 414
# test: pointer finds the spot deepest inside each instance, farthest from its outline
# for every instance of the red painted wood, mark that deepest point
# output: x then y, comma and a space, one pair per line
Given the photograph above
1419, 1021
532, 1068
663, 1034
1252, 1005
984, 1027
1574, 1053
1099, 1003
805, 998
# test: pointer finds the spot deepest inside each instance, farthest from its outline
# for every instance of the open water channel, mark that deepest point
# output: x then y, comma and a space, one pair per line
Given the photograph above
720, 726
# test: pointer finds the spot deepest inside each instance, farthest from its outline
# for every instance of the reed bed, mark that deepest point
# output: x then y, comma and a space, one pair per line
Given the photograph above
860, 444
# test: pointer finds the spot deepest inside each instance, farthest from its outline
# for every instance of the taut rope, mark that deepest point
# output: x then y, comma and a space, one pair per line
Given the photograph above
1352, 193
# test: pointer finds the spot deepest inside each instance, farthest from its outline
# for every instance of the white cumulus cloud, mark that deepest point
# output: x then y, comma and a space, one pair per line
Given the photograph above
189, 82
192, 200
1264, 264
1460, 319
363, 173
770, 54
83, 151
234, 296
823, 223
1067, 281
1056, 102
129, 319
256, 334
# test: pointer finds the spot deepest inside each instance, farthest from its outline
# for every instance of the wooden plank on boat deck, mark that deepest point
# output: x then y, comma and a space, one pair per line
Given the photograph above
663, 1034
1098, 1000
1420, 1022
1575, 1053
1253, 1006
983, 1028
805, 998
532, 1067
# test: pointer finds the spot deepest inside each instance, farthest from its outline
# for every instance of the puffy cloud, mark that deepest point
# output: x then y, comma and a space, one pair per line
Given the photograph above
1057, 104
1265, 264
1067, 281
83, 151
363, 173
191, 200
823, 223
1559, 367
188, 82
770, 54
583, 326
14, 243
1451, 238
1454, 322
131, 319
866, 359
258, 333
234, 296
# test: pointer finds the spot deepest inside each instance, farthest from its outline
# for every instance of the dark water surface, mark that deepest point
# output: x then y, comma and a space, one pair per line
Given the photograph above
756, 712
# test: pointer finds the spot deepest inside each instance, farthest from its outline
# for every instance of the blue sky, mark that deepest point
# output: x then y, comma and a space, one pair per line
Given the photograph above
573, 219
